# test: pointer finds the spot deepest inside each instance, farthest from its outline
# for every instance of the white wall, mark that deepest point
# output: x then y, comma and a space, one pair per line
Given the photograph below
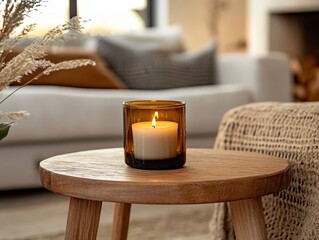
259, 19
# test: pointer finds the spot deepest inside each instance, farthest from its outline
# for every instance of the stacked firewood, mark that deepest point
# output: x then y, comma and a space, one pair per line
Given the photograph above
306, 79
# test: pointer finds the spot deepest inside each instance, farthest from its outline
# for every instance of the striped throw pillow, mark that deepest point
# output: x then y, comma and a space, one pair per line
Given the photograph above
151, 67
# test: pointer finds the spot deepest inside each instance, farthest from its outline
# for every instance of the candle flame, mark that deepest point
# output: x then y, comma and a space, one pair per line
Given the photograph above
154, 119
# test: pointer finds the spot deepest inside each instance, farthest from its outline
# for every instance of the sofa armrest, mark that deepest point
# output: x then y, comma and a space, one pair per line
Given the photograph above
268, 77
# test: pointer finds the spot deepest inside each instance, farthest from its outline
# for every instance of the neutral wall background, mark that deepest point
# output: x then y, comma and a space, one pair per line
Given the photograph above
203, 20
197, 18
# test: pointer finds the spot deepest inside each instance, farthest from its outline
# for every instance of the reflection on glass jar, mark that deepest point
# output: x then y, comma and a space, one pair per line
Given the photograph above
154, 134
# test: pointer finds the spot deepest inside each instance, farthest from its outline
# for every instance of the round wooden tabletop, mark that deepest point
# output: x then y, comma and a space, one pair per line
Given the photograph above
208, 176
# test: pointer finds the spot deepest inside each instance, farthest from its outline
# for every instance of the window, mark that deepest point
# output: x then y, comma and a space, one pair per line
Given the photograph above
104, 16
49, 15
109, 16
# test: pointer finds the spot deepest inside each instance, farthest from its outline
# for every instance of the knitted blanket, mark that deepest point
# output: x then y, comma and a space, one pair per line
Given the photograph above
289, 131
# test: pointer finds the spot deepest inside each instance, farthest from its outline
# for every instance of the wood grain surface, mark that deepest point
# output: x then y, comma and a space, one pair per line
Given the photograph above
83, 219
208, 176
248, 219
121, 220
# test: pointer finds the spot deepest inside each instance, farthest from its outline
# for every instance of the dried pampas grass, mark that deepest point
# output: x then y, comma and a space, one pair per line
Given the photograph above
32, 58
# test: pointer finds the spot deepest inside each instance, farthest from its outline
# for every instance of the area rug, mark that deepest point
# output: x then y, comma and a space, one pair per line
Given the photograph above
173, 226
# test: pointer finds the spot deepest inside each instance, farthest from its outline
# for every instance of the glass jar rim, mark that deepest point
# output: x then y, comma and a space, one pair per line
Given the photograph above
149, 104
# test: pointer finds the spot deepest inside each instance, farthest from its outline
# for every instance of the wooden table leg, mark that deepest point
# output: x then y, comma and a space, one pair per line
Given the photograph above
83, 219
121, 221
248, 219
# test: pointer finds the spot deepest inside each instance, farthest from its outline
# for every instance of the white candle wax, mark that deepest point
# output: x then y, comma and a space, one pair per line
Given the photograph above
155, 143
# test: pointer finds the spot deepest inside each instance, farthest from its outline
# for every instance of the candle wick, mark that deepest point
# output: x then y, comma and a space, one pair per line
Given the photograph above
153, 122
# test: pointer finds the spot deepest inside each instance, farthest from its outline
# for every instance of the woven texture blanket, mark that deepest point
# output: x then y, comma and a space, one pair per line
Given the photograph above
285, 130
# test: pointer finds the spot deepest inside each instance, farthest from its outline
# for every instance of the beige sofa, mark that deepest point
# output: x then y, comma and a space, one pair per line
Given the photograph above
68, 118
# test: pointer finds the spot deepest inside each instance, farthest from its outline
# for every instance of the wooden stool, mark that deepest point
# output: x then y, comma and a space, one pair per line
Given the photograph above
209, 176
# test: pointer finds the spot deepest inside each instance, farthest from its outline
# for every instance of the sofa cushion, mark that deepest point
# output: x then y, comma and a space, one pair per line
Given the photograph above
147, 66
79, 113
98, 76
165, 38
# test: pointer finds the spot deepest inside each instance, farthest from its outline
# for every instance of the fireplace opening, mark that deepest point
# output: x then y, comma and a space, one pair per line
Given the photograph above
297, 35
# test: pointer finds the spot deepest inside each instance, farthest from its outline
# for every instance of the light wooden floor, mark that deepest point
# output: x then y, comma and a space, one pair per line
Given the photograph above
34, 212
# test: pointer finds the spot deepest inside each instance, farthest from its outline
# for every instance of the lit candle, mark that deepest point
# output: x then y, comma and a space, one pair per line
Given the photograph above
155, 140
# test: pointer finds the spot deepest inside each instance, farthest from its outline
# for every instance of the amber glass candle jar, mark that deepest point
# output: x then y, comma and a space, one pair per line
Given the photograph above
154, 134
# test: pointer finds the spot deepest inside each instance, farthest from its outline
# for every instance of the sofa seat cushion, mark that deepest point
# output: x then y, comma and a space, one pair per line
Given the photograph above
62, 113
